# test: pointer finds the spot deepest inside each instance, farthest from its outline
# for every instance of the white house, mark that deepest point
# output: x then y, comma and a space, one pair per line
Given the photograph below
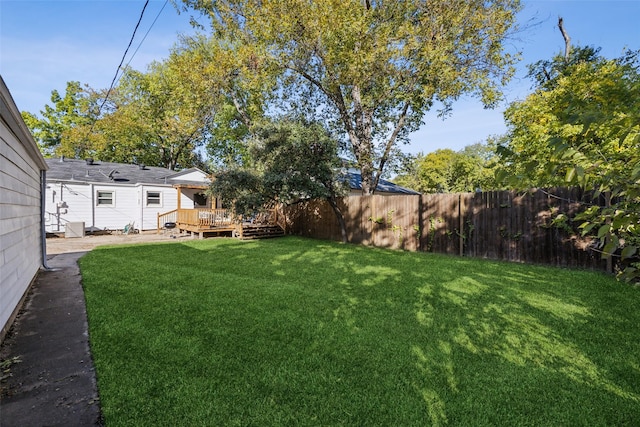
110, 196
22, 243
94, 195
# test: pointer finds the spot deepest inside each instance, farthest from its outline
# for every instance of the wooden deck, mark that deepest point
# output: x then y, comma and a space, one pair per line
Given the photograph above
219, 222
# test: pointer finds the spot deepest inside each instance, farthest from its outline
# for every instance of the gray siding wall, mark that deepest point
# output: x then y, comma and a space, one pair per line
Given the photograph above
20, 210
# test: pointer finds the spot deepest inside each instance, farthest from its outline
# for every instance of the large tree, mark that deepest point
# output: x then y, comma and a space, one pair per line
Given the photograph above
581, 126
160, 117
166, 111
236, 90
372, 69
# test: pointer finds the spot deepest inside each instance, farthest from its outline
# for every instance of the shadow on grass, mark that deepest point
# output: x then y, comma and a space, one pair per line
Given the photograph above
383, 336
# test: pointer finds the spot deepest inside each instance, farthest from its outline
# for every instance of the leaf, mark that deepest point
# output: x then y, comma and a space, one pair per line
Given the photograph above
531, 166
569, 153
602, 231
587, 228
609, 249
501, 175
635, 174
571, 173
621, 221
629, 251
629, 274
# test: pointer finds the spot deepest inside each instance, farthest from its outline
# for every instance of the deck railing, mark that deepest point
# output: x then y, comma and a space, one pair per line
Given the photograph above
212, 218
167, 217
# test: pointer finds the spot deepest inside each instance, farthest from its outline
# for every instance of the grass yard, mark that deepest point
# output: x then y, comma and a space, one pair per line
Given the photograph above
292, 331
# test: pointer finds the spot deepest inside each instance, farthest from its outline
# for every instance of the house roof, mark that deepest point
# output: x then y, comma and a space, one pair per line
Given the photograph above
83, 171
384, 186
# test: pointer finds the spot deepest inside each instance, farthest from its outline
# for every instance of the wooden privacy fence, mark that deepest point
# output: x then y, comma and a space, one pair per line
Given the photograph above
504, 225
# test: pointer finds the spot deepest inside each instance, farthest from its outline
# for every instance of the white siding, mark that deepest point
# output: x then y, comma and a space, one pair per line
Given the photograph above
78, 199
81, 206
186, 198
149, 214
20, 222
123, 211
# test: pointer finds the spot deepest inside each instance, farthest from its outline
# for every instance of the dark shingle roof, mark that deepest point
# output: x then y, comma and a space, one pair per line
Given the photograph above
121, 173
355, 182
61, 169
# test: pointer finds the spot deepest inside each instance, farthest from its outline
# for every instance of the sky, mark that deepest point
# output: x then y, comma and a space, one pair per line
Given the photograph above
46, 43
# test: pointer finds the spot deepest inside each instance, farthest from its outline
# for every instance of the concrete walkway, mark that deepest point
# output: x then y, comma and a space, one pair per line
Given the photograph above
52, 382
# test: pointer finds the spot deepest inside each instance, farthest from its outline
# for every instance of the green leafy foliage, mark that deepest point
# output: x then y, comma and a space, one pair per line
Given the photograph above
162, 117
159, 117
291, 161
446, 171
370, 69
582, 127
65, 122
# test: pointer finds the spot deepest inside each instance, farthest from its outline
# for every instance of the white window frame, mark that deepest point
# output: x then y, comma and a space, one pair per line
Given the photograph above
105, 205
159, 198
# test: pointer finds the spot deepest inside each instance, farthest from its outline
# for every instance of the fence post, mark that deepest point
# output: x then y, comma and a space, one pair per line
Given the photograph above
420, 223
461, 223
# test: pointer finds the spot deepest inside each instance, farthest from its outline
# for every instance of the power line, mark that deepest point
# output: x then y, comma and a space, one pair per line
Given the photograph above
145, 37
113, 82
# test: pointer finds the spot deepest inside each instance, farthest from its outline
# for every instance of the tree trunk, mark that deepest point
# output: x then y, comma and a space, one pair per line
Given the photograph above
361, 140
336, 209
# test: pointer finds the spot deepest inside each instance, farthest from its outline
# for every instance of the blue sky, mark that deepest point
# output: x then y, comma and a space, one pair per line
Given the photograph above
44, 44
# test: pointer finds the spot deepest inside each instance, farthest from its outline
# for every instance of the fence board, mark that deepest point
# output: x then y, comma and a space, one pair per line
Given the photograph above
504, 225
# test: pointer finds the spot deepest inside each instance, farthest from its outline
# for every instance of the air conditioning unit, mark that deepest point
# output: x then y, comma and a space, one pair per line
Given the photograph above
74, 229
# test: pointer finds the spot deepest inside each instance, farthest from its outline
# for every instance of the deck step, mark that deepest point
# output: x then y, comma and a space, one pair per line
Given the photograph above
261, 232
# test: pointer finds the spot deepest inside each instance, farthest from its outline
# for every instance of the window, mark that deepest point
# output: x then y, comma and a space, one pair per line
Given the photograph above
154, 198
200, 200
106, 198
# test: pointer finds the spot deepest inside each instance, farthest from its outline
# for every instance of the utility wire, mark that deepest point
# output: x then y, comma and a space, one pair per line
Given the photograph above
144, 38
113, 82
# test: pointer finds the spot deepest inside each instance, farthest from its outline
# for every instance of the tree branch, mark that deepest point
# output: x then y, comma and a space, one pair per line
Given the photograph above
567, 39
336, 97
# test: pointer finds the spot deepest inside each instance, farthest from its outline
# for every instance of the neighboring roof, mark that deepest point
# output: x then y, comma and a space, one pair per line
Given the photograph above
83, 171
355, 182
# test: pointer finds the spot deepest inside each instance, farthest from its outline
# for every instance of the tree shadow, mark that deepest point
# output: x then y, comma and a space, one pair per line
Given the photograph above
475, 342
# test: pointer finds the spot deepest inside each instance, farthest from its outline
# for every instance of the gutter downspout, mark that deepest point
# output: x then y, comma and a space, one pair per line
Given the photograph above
93, 206
43, 230
141, 200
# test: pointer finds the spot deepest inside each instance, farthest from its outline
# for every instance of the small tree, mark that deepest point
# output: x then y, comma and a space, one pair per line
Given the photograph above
291, 162
581, 127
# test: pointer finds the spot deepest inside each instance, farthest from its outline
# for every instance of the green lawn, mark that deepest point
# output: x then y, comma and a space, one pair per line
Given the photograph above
302, 332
